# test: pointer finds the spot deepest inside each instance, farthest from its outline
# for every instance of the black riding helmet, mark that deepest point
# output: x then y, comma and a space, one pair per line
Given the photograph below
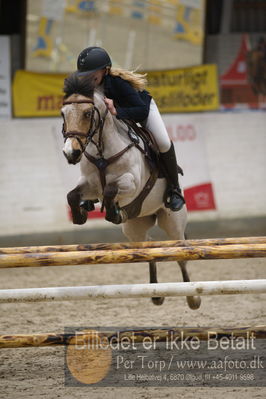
92, 59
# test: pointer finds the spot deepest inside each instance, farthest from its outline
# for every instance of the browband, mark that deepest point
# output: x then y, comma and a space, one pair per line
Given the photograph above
78, 102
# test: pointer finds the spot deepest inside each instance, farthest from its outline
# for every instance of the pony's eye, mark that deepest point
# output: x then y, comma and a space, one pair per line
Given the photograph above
87, 114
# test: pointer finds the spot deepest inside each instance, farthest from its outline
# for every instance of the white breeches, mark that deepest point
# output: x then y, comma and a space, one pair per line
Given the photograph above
155, 125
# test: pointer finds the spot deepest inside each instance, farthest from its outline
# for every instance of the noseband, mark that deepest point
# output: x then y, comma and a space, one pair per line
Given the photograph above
94, 127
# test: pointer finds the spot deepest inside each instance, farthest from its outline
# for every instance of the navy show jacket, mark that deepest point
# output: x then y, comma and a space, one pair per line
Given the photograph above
129, 103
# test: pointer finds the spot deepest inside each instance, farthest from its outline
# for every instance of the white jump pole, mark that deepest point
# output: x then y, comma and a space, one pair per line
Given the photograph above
133, 291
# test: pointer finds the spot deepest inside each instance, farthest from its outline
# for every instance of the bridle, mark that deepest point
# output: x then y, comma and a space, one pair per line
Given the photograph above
101, 163
94, 127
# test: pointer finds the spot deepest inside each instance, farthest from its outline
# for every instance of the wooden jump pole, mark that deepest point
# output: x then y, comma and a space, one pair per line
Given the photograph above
136, 336
52, 294
133, 255
130, 245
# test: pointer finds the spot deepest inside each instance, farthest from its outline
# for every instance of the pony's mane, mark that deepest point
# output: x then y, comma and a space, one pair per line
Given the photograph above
76, 84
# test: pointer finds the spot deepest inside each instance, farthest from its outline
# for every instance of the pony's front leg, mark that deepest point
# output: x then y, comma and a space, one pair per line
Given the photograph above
75, 198
114, 192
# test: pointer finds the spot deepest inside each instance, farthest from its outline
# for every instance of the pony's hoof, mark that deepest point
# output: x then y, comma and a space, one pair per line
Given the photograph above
158, 300
113, 215
193, 302
79, 220
79, 216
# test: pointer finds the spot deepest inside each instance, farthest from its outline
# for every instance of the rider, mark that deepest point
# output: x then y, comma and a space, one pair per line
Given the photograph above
126, 98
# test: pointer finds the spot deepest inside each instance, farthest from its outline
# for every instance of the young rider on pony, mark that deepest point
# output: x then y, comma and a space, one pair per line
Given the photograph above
126, 98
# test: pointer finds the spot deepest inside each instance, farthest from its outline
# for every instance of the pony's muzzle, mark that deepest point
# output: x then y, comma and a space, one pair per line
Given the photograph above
73, 157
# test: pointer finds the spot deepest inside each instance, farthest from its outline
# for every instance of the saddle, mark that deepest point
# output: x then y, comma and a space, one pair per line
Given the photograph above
150, 150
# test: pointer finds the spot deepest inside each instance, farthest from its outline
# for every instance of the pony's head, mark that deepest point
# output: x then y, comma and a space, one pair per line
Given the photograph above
78, 113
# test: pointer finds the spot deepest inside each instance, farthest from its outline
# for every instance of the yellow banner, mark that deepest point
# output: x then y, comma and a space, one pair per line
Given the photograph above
185, 90
37, 94
179, 90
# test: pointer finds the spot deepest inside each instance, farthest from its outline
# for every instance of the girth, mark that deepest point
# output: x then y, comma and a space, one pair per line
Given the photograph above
133, 209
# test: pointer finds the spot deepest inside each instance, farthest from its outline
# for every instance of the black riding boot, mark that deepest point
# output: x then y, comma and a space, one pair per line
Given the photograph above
173, 196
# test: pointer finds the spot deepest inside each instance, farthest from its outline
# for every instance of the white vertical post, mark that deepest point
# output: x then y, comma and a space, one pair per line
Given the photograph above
130, 49
92, 37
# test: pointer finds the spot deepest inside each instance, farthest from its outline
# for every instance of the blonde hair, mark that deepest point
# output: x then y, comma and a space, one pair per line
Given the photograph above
137, 80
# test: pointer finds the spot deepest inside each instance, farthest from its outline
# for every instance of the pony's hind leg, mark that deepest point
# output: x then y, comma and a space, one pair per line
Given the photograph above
192, 301
174, 224
136, 230
158, 300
